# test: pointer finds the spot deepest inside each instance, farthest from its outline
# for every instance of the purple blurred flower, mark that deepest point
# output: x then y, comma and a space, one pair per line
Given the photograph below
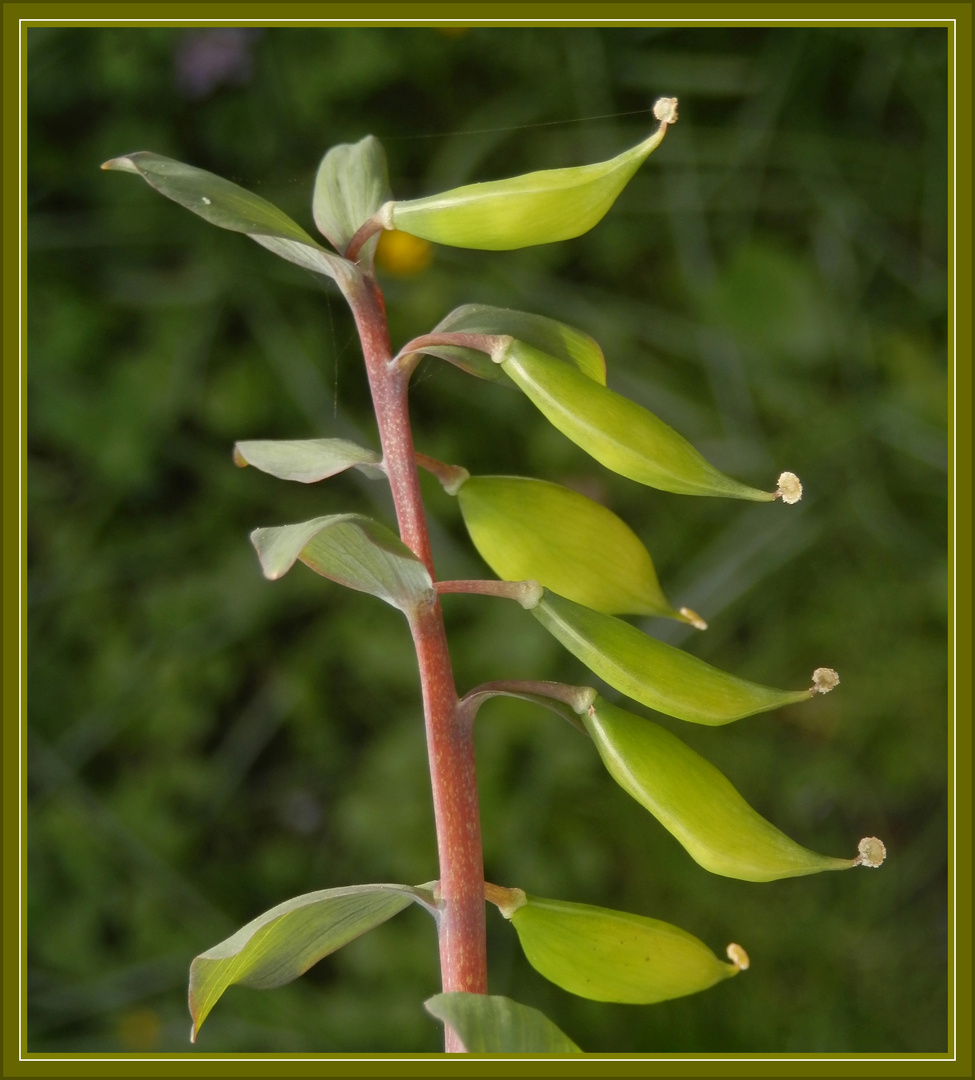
206, 59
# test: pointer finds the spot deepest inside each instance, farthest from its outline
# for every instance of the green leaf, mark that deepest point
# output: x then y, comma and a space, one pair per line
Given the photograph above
351, 185
305, 460
550, 336
695, 802
609, 955
497, 1025
354, 551
536, 208
657, 675
529, 529
617, 432
283, 943
230, 206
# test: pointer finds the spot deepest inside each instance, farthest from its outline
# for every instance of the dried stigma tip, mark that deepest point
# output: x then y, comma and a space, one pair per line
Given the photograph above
872, 852
789, 489
665, 110
737, 955
824, 679
693, 618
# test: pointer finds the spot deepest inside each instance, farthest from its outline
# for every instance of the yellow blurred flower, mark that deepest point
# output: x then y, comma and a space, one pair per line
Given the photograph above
402, 254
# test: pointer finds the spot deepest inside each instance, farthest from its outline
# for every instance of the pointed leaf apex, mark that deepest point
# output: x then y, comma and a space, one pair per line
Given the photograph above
789, 489
120, 164
824, 679
872, 852
737, 955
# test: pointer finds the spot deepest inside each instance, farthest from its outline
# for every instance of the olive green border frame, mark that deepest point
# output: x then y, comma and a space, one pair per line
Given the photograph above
958, 19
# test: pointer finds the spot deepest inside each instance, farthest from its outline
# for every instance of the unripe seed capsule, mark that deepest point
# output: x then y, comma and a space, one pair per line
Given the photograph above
657, 675
617, 432
536, 208
609, 955
697, 803
526, 528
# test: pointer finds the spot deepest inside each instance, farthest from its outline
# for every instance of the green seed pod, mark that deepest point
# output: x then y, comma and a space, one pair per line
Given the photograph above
609, 955
698, 804
618, 433
532, 529
536, 208
658, 675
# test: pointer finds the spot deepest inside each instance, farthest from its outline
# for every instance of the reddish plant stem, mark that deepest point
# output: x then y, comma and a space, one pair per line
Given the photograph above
450, 746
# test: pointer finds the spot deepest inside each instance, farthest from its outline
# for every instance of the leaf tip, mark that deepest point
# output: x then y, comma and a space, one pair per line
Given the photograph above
693, 618
737, 955
665, 110
871, 852
824, 679
257, 539
239, 460
789, 488
120, 164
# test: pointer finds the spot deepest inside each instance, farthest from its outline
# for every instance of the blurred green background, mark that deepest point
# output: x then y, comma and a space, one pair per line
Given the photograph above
203, 744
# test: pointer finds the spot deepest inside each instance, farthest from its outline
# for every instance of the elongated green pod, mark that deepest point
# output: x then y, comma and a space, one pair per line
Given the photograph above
536, 208
658, 675
607, 955
536, 530
698, 805
618, 433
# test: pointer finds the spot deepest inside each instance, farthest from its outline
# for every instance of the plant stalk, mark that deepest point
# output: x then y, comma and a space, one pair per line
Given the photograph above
450, 744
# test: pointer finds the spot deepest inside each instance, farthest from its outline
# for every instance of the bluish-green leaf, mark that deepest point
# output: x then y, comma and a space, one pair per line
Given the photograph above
610, 955
696, 802
528, 529
488, 1024
535, 208
230, 206
305, 460
618, 433
550, 336
657, 675
352, 550
286, 941
352, 183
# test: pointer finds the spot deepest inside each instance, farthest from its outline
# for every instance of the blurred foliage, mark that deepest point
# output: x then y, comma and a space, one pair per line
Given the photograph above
203, 744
